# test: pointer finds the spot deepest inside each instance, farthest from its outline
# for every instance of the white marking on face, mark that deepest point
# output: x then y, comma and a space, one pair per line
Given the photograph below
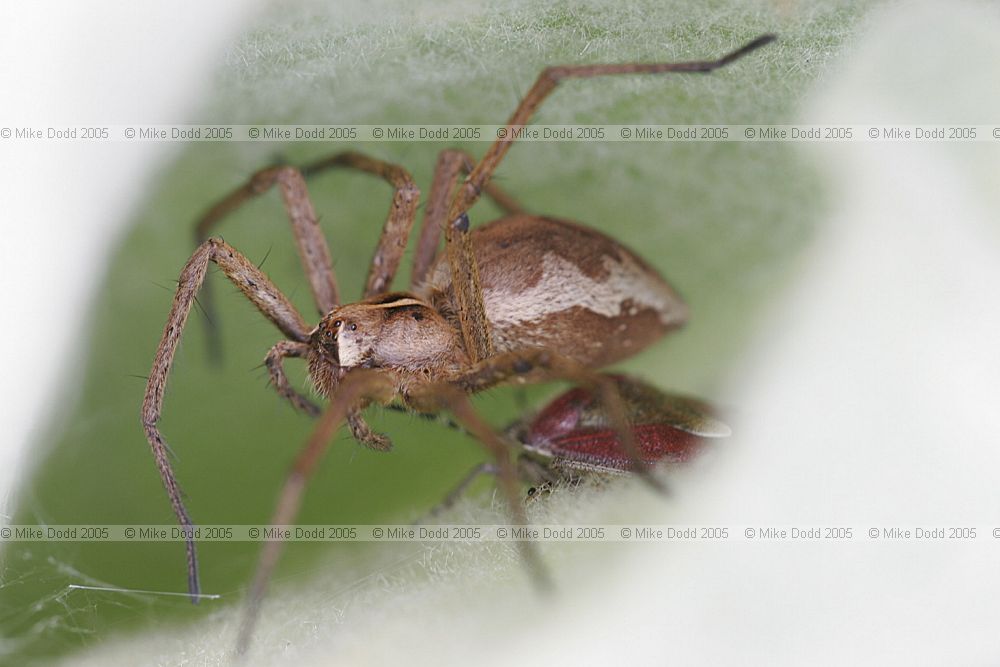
349, 352
563, 286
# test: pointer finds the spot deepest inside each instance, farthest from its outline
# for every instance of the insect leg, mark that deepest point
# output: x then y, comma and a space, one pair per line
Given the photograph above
459, 489
528, 471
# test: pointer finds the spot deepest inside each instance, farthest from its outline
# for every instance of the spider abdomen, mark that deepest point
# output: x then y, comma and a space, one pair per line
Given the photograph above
558, 285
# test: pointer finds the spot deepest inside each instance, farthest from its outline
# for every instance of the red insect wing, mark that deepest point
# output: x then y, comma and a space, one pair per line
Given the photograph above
560, 417
657, 443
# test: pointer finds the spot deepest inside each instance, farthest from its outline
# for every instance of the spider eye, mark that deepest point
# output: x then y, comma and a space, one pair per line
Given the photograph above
329, 334
337, 323
354, 327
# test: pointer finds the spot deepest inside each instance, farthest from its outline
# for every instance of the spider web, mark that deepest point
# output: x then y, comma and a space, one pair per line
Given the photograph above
70, 610
50, 603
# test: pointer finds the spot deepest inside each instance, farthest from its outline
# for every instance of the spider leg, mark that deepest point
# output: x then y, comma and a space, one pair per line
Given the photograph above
398, 222
360, 429
448, 396
537, 365
312, 246
364, 434
476, 331
275, 368
549, 78
450, 163
357, 388
461, 260
388, 253
269, 301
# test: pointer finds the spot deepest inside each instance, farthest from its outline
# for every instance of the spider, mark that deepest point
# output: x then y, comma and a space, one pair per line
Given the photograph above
524, 298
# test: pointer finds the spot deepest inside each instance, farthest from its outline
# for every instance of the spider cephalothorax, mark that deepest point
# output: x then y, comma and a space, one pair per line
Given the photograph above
524, 298
395, 331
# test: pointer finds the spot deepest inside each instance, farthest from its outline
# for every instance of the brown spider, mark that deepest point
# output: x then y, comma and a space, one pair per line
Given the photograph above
523, 298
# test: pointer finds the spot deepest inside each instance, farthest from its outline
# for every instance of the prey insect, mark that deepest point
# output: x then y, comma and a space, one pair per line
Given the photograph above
525, 298
573, 437
575, 434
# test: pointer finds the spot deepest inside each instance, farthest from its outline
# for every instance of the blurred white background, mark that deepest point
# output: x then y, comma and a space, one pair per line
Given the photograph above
67, 63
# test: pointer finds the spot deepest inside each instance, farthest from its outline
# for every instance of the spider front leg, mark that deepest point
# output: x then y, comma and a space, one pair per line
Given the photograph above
358, 388
269, 301
309, 239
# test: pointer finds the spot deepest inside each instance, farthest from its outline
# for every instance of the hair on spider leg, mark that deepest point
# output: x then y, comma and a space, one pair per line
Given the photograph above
521, 299
163, 287
267, 254
204, 313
